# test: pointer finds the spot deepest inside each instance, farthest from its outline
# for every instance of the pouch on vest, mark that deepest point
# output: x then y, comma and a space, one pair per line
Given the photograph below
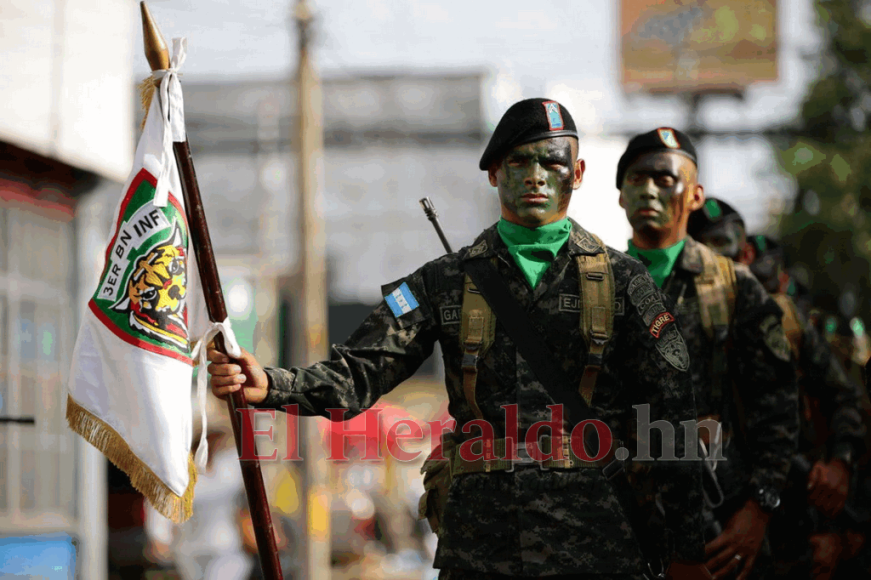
436, 485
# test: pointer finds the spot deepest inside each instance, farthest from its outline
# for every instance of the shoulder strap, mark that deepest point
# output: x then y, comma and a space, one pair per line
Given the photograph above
478, 330
716, 288
791, 325
596, 280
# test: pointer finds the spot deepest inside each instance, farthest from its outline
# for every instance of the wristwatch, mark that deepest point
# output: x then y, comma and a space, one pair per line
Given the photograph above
767, 498
844, 452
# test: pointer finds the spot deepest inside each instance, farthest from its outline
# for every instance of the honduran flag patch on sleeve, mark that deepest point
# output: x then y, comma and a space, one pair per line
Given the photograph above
401, 301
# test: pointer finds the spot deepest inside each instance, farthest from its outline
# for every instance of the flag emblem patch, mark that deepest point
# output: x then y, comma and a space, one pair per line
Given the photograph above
554, 116
668, 139
401, 301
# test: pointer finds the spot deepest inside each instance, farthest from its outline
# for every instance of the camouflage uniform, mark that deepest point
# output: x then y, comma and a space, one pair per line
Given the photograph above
822, 377
759, 364
831, 424
756, 359
529, 522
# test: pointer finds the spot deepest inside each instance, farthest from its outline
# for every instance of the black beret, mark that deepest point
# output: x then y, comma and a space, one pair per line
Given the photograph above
662, 139
525, 122
713, 213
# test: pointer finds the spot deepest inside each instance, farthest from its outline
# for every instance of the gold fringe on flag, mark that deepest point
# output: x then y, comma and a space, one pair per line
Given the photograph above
99, 434
146, 93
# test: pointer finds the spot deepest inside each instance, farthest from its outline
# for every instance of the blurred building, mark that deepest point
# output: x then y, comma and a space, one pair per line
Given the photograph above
66, 143
389, 139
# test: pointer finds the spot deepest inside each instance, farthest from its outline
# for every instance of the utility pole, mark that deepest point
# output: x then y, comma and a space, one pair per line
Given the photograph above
311, 300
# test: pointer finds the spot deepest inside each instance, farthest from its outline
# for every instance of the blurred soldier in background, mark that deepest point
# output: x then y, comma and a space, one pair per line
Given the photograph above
804, 537
211, 544
741, 368
534, 512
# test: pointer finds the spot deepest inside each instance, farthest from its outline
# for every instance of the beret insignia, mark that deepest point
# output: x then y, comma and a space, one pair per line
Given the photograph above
668, 138
554, 116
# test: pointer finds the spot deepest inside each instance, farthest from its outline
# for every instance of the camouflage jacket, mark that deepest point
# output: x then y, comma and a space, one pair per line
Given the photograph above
824, 382
755, 362
529, 522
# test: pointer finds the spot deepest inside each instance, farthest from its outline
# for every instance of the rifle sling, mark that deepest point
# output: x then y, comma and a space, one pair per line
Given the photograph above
515, 320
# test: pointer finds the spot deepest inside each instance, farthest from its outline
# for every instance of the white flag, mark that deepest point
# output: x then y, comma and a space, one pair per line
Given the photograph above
130, 383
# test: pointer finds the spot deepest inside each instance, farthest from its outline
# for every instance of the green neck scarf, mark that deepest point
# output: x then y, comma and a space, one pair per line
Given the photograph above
534, 249
660, 262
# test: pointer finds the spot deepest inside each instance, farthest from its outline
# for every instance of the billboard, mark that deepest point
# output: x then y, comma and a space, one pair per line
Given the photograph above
697, 45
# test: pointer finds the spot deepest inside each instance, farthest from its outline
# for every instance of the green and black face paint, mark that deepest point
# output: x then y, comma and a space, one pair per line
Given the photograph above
535, 181
654, 191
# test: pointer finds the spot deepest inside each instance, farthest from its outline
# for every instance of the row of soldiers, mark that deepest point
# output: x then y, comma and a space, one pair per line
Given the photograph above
538, 314
820, 526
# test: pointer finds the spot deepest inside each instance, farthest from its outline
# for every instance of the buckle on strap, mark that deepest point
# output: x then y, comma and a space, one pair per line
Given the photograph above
523, 458
612, 469
470, 361
470, 355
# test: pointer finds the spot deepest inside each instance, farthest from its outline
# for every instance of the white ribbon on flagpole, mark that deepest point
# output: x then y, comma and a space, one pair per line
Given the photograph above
199, 354
172, 117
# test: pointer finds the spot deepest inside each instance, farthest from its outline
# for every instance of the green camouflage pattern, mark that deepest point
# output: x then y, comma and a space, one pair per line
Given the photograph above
759, 369
529, 522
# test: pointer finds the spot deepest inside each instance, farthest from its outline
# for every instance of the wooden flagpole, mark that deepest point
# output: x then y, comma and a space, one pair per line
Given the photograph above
158, 58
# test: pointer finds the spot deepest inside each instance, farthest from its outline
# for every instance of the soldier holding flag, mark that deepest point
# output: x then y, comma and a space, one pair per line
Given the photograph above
532, 515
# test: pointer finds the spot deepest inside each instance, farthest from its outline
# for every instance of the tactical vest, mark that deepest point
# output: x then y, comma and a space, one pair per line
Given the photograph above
716, 288
596, 285
478, 331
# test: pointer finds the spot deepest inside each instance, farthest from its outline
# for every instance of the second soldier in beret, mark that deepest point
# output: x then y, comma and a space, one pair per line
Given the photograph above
741, 365
717, 225
533, 514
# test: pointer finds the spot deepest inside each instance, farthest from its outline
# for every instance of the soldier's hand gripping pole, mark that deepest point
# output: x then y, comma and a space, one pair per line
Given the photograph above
429, 210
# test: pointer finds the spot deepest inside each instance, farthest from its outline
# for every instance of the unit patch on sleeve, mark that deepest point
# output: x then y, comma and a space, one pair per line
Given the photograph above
775, 338
401, 301
669, 342
673, 348
659, 323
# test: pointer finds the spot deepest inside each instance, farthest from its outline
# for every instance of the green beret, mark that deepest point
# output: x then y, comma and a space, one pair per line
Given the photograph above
662, 139
525, 122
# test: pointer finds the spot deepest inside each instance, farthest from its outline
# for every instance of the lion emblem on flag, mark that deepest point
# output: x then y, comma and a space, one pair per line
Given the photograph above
155, 293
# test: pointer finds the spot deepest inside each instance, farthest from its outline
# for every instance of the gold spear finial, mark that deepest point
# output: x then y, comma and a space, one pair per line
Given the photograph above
155, 46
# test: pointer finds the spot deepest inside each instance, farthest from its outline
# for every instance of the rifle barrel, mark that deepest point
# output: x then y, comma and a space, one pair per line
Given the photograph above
430, 211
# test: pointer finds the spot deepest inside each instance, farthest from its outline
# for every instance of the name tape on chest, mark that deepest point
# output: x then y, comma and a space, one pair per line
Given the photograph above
401, 301
451, 314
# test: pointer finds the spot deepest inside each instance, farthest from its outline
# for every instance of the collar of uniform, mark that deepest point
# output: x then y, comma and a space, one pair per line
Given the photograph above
582, 242
489, 241
691, 257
